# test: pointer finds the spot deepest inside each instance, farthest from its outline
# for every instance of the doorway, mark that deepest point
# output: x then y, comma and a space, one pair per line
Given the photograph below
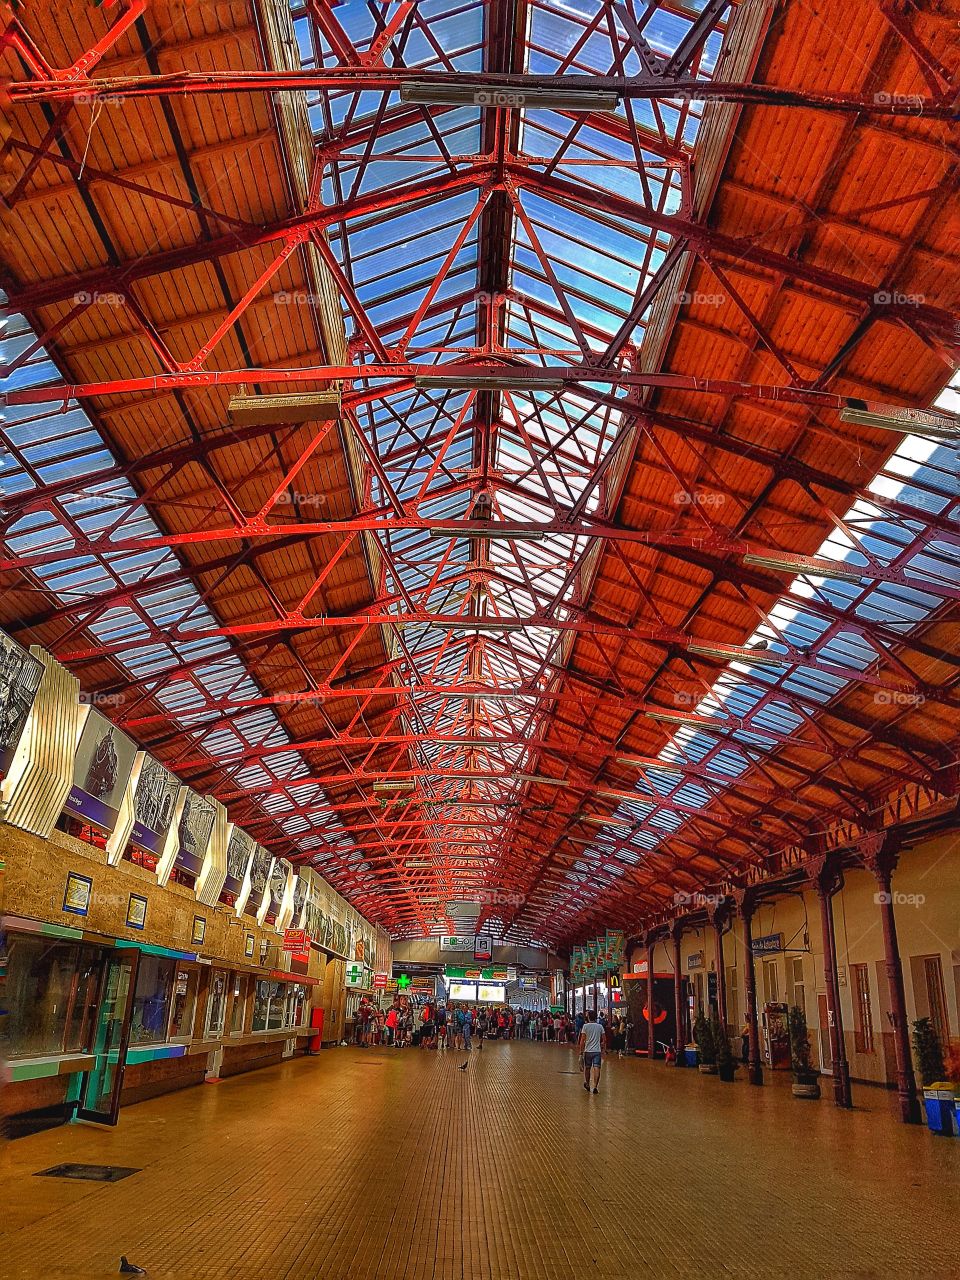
100, 1086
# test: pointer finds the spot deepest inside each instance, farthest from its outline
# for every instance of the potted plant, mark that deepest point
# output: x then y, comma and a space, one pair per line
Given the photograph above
805, 1082
706, 1048
939, 1095
726, 1062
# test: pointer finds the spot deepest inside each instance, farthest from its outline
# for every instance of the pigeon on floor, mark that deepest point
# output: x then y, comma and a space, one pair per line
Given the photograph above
130, 1268
463, 1065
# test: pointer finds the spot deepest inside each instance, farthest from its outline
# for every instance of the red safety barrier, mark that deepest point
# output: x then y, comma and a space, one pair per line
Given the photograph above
316, 1021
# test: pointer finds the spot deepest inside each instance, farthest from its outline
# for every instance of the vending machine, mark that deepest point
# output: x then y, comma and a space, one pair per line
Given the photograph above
775, 1031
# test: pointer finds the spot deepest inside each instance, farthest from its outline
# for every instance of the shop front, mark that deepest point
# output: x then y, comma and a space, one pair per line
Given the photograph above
94, 1023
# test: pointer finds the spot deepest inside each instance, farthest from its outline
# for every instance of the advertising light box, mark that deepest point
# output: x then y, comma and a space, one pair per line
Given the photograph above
493, 995
462, 991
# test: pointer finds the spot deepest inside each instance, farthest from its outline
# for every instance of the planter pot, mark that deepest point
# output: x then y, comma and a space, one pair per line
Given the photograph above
727, 1073
806, 1087
940, 1103
708, 1068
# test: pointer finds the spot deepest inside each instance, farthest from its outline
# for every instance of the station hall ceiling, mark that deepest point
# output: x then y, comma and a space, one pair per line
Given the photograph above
587, 562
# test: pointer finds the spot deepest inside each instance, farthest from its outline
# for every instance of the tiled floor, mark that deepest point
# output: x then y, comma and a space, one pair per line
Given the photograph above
382, 1164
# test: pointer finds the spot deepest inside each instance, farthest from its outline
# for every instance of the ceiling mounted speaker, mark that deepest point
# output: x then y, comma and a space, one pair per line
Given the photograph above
284, 410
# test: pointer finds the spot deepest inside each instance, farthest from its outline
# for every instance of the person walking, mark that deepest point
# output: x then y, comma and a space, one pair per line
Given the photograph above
441, 1027
591, 1046
480, 1027
467, 1029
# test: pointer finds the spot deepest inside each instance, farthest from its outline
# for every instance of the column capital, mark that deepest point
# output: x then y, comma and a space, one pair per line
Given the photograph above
676, 928
719, 913
746, 899
879, 852
825, 873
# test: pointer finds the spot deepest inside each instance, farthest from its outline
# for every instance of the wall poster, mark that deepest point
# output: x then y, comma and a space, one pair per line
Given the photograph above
193, 832
101, 771
77, 894
20, 676
153, 806
239, 852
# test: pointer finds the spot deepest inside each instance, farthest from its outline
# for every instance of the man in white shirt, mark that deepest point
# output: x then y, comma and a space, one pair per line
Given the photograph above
591, 1046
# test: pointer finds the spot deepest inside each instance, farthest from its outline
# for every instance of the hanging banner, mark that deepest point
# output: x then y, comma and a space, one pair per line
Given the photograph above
101, 770
153, 805
20, 676
193, 832
457, 942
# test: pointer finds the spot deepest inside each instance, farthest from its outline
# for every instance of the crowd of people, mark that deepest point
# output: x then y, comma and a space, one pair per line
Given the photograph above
436, 1025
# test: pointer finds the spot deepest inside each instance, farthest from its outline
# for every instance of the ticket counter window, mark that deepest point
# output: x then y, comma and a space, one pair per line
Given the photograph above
151, 1003
51, 996
184, 1004
296, 1005
268, 1006
216, 1004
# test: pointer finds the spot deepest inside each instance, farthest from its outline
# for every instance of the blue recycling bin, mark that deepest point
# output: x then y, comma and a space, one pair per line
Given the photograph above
941, 1108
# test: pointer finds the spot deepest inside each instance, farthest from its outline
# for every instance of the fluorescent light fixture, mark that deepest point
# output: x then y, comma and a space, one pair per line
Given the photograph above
469, 93
813, 567
542, 778
496, 380
417, 862
283, 410
676, 717
737, 653
939, 425
597, 820
648, 762
619, 795
386, 785
471, 623
483, 529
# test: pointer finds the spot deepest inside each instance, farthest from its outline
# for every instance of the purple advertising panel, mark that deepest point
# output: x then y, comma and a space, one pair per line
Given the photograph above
193, 832
153, 805
239, 852
20, 676
101, 771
